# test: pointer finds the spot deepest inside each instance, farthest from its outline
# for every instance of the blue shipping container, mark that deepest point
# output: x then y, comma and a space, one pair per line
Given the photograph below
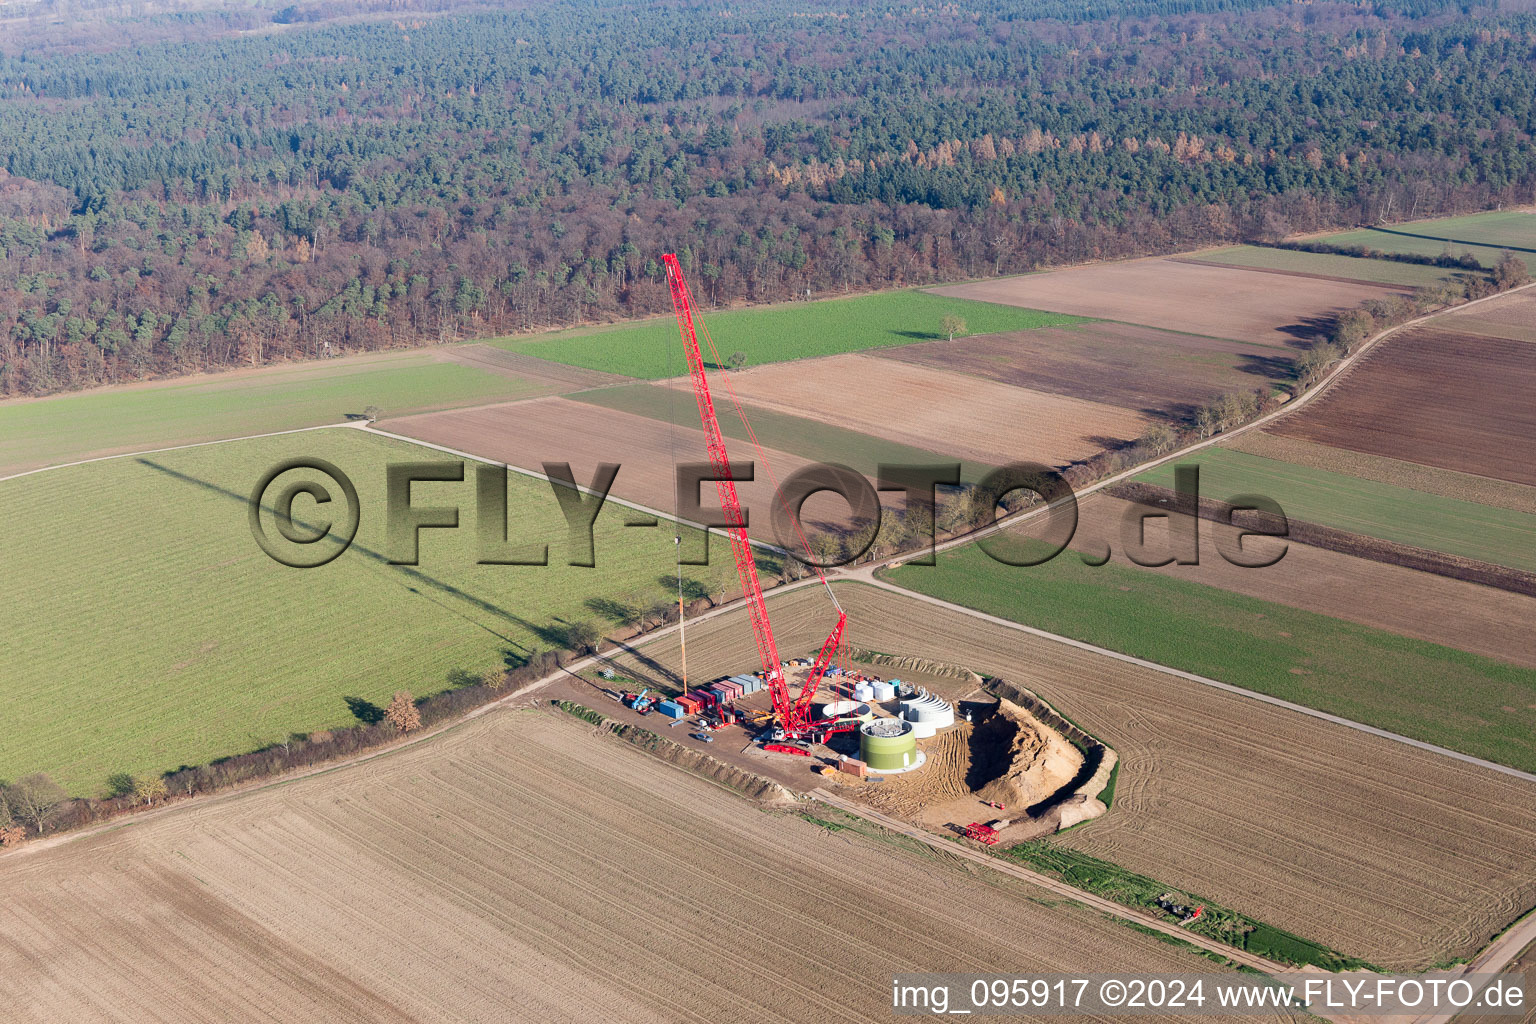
670, 708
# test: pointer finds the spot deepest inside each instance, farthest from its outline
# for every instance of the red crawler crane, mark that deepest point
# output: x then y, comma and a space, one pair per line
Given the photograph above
793, 714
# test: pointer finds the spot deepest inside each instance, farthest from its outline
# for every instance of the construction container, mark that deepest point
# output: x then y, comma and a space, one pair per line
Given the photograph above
732, 690
689, 704
863, 692
853, 766
671, 708
706, 698
748, 684
884, 691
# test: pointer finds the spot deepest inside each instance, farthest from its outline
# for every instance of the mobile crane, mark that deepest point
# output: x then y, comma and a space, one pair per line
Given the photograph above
791, 714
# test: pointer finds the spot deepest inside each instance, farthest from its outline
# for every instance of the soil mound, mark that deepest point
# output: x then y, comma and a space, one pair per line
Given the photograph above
1026, 759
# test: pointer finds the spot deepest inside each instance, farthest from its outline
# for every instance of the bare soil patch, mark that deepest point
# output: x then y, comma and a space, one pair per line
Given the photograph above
1006, 756
1373, 847
957, 415
1142, 368
1456, 401
1226, 302
520, 867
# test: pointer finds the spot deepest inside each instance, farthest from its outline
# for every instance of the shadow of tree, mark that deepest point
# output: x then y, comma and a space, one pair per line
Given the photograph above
365, 711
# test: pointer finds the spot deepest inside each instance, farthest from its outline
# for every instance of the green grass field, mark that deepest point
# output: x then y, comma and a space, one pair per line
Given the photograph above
818, 442
149, 631
1330, 264
1433, 693
68, 427
1367, 507
772, 334
1484, 235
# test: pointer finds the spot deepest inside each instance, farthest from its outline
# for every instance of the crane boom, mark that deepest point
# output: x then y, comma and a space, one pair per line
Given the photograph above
794, 715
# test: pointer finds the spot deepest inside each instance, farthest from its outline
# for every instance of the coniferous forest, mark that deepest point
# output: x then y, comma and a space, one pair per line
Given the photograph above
188, 189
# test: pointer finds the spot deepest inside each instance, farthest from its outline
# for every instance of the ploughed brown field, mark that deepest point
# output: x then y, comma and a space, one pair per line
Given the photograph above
954, 414
1246, 305
1378, 849
1457, 401
519, 867
1126, 365
529, 434
1468, 616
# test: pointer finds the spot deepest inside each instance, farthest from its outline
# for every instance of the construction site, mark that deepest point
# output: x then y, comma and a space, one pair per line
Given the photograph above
935, 748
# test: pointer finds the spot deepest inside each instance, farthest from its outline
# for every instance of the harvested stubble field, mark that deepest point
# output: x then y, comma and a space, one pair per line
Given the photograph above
966, 418
1445, 483
1487, 236
45, 431
771, 334
158, 634
528, 434
1245, 305
1400, 514
1508, 316
1327, 265
1380, 850
1124, 365
1454, 613
1427, 395
520, 867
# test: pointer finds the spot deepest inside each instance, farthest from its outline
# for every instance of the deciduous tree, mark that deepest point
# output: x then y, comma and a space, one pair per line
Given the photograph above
402, 712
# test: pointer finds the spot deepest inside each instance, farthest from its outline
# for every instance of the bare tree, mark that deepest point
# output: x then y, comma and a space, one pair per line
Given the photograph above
1159, 437
402, 713
35, 798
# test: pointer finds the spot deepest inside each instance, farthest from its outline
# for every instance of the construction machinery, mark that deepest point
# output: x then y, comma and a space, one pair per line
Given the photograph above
792, 714
984, 834
639, 702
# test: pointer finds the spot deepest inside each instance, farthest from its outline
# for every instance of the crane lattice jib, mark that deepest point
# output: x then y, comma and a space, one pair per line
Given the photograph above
730, 503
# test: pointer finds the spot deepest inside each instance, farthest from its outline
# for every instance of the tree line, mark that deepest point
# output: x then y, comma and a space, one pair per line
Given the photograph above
219, 198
